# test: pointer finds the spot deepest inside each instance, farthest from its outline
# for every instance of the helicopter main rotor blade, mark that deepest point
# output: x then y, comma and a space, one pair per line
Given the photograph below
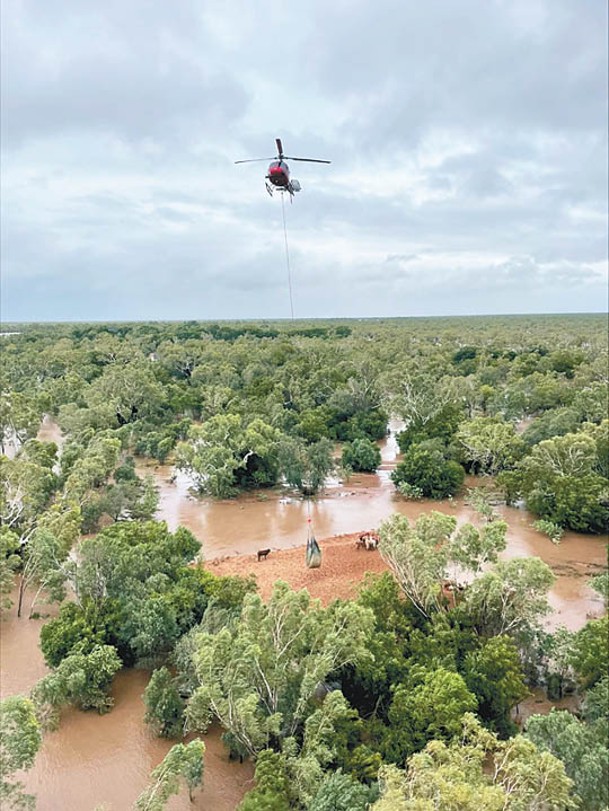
306, 160
279, 148
256, 160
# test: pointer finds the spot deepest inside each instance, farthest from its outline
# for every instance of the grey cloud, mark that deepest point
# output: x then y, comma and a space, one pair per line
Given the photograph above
468, 140
132, 79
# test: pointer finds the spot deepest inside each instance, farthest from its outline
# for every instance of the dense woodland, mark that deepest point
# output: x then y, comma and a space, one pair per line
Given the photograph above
399, 700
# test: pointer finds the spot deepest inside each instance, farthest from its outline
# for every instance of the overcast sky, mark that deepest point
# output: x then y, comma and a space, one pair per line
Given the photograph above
468, 141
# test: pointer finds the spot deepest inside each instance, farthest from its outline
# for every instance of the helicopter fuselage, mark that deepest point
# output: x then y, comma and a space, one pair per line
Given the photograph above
278, 177
279, 174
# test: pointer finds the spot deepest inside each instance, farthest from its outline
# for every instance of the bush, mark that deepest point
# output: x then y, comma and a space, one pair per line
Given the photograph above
362, 455
549, 528
425, 467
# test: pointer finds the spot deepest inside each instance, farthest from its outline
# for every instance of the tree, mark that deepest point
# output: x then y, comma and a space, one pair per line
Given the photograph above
418, 399
182, 762
307, 761
590, 652
9, 563
494, 674
19, 419
476, 772
600, 584
561, 480
25, 490
271, 792
489, 444
370, 684
340, 792
86, 469
135, 574
223, 454
431, 710
361, 455
258, 676
420, 556
125, 392
425, 467
44, 556
532, 780
164, 705
20, 741
582, 750
77, 627
81, 679
442, 426
510, 599
306, 466
596, 707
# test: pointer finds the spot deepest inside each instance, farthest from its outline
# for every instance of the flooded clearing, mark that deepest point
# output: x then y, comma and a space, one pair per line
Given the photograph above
277, 519
92, 760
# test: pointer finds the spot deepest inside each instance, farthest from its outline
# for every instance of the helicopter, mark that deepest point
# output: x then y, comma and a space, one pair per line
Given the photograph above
278, 174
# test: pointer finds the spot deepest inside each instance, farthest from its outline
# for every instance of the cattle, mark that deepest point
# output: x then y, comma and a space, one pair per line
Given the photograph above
368, 540
262, 554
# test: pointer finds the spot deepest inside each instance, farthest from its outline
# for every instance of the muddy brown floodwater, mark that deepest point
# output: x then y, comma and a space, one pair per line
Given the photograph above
94, 760
278, 520
105, 760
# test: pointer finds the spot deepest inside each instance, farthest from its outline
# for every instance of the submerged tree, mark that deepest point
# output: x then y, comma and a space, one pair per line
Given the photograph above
81, 679
183, 762
20, 740
306, 466
164, 705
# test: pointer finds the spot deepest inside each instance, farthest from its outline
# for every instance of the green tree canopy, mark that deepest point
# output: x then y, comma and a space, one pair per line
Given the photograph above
183, 763
259, 677
426, 467
20, 741
583, 751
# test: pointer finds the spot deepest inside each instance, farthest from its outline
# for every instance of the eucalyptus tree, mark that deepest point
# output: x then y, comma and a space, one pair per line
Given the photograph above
81, 679
258, 676
306, 467
164, 705
225, 453
563, 479
20, 740
511, 599
20, 417
182, 764
477, 772
126, 392
582, 748
421, 556
489, 444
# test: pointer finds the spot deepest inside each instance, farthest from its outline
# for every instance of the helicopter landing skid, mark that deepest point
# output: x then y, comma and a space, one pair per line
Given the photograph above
269, 188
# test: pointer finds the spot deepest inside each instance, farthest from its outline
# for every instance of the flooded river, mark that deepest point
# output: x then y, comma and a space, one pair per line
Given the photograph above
93, 760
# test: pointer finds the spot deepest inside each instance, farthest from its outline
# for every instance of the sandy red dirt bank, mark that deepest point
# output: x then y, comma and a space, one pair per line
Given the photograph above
340, 575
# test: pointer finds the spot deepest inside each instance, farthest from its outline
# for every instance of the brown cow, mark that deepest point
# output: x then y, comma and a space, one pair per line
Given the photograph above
262, 554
